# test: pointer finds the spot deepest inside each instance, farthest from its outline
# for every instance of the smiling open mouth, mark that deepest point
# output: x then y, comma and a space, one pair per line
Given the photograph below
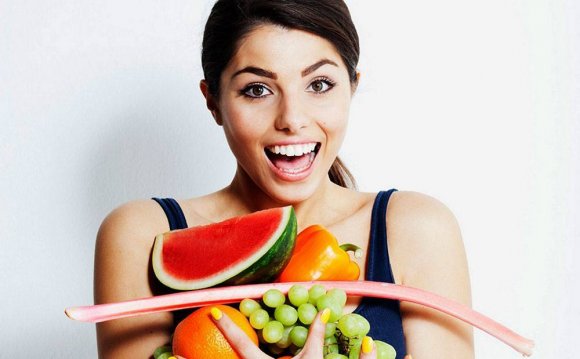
292, 159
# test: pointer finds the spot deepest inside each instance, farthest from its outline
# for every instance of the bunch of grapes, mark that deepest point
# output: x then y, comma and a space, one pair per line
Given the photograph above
283, 323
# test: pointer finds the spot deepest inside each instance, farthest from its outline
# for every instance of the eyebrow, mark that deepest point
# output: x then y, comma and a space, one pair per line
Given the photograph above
269, 74
310, 69
256, 71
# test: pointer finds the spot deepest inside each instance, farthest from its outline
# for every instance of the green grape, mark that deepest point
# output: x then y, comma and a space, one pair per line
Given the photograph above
165, 355
285, 341
339, 295
326, 301
315, 292
354, 347
353, 325
306, 313
273, 331
260, 336
298, 295
162, 350
248, 306
335, 356
384, 350
330, 330
286, 315
298, 336
330, 345
273, 298
259, 318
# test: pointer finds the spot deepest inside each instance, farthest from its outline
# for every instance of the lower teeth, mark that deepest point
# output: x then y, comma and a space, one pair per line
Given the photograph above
294, 170
297, 170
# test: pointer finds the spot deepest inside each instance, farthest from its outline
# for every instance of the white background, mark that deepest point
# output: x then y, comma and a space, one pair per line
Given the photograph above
475, 103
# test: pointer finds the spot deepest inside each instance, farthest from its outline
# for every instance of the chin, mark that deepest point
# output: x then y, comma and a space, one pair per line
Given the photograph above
284, 188
293, 193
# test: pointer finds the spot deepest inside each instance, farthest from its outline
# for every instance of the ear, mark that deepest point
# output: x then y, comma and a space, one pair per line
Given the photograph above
210, 101
354, 86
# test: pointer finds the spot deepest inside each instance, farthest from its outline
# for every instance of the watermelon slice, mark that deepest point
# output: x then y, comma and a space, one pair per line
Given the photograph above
247, 249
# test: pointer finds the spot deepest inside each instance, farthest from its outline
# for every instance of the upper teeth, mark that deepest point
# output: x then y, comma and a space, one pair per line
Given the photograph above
293, 150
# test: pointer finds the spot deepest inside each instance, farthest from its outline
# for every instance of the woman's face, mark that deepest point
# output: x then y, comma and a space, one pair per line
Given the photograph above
284, 104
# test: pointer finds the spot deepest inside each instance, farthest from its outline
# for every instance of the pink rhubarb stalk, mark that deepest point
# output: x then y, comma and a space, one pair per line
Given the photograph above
224, 295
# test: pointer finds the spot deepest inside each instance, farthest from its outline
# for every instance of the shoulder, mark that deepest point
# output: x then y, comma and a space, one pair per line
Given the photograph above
414, 211
426, 251
123, 248
123, 272
135, 219
424, 237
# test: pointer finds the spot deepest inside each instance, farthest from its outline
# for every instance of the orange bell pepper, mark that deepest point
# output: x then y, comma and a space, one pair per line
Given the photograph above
318, 256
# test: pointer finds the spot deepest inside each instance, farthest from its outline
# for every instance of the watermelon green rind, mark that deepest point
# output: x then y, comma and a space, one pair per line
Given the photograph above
267, 261
267, 268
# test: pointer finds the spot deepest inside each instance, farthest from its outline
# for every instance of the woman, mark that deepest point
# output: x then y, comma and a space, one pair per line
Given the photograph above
279, 78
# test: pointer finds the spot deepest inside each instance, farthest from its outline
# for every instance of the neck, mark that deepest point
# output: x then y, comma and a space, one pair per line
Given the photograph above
248, 197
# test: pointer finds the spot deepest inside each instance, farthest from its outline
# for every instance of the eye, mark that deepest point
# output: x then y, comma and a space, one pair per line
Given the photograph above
256, 91
321, 85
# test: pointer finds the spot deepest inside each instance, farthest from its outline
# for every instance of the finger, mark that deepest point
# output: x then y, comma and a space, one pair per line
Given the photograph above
315, 341
369, 349
236, 336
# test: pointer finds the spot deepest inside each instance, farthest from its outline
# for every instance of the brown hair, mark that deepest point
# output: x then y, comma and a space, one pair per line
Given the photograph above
231, 20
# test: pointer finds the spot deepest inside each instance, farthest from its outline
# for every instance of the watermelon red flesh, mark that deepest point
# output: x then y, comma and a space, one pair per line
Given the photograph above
203, 256
267, 268
221, 246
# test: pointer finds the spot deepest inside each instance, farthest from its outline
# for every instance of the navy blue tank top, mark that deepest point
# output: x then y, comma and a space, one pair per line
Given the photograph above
383, 315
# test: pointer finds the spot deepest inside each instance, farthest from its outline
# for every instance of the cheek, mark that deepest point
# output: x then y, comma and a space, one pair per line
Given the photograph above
241, 126
334, 118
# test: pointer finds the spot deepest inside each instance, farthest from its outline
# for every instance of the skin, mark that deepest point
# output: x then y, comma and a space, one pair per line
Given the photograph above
312, 349
425, 245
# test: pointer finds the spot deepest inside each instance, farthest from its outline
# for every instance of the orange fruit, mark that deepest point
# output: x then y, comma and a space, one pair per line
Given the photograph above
197, 336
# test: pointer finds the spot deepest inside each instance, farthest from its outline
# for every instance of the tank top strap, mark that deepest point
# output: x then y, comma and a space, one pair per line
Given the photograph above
378, 265
173, 212
383, 315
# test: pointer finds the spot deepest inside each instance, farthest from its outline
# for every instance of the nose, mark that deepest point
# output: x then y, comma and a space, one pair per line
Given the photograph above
291, 116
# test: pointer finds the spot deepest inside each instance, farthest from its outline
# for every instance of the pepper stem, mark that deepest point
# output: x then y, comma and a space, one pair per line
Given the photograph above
358, 252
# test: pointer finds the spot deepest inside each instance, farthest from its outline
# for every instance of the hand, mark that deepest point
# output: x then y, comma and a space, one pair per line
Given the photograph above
312, 349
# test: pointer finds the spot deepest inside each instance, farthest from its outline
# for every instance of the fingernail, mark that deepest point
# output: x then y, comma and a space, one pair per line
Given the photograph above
325, 315
367, 345
216, 313
408, 356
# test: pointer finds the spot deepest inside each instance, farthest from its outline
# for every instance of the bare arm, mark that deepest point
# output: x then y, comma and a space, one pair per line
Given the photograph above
428, 253
122, 272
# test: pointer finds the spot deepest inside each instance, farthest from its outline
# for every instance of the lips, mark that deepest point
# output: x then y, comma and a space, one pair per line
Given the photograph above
292, 161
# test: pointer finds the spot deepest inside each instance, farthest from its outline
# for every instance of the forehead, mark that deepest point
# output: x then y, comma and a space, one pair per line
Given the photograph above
279, 49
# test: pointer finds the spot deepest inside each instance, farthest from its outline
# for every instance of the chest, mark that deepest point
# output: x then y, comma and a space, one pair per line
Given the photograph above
355, 230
